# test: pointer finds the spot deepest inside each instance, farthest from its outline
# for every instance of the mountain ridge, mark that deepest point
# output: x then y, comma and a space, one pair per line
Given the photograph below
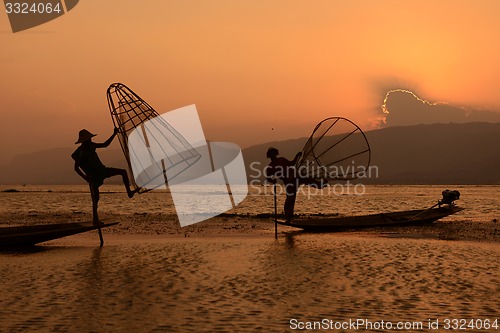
454, 153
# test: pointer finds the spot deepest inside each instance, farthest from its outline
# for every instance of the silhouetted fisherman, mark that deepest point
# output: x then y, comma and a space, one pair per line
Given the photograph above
89, 167
284, 169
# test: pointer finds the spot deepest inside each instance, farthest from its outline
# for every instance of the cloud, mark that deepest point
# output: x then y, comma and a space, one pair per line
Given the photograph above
403, 107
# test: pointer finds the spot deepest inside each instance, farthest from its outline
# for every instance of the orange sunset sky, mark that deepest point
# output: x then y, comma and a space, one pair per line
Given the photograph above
257, 70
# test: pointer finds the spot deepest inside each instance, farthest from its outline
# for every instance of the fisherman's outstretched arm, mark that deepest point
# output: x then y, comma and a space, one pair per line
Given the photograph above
108, 141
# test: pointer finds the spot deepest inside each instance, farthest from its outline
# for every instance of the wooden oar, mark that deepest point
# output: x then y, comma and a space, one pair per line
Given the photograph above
275, 213
100, 234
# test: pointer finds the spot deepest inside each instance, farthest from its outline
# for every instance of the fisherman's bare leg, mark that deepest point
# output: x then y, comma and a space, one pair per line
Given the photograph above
123, 173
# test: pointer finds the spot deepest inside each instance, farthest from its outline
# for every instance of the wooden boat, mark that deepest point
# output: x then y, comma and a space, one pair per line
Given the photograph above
409, 217
34, 234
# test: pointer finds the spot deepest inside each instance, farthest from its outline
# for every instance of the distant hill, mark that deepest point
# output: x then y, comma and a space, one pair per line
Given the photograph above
54, 166
437, 154
423, 154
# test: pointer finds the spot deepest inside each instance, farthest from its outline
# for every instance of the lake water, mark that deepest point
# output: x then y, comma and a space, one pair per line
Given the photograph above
246, 282
481, 203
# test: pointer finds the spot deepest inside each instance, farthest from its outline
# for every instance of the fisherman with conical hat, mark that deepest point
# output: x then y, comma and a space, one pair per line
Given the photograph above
89, 167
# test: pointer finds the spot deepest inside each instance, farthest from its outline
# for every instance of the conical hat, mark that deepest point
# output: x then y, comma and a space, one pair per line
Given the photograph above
84, 135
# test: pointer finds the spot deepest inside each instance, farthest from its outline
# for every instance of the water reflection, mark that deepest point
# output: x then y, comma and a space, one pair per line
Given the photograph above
245, 284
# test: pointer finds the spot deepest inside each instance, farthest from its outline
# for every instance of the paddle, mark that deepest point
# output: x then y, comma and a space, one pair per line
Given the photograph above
100, 234
275, 213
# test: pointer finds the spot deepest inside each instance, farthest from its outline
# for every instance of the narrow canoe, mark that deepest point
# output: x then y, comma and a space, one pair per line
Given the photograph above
409, 217
34, 234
